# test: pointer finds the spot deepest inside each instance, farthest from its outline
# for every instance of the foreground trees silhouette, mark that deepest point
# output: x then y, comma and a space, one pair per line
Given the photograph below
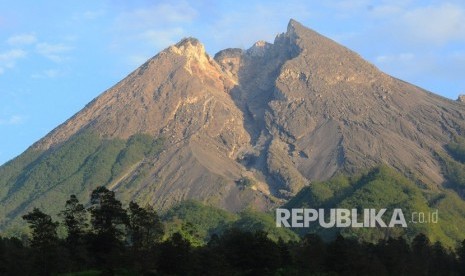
107, 239
44, 241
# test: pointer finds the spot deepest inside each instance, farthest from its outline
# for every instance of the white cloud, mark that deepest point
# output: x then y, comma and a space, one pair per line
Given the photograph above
159, 14
386, 11
22, 39
12, 120
402, 57
49, 73
54, 52
52, 73
141, 32
435, 24
8, 59
12, 55
90, 15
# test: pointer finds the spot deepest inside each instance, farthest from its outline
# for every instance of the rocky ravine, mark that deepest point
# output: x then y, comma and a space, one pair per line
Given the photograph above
276, 117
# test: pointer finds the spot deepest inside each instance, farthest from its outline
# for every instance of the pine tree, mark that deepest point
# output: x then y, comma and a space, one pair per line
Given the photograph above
44, 241
108, 220
44, 230
75, 220
107, 214
145, 232
145, 226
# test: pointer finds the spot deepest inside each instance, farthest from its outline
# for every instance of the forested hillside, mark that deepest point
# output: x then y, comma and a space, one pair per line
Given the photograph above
108, 239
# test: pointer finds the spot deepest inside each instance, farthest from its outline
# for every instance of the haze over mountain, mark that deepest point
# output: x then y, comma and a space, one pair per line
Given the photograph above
245, 128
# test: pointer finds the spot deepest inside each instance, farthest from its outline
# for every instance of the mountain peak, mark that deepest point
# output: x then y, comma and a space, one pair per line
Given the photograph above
305, 37
196, 56
296, 30
293, 25
189, 41
189, 47
277, 116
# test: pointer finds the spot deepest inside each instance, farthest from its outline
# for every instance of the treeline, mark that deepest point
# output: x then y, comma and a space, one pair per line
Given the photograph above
454, 168
107, 239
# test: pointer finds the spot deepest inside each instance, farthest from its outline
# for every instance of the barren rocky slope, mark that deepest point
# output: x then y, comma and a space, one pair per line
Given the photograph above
245, 128
314, 108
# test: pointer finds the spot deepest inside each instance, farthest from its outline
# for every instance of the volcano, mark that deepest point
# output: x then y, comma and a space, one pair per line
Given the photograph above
246, 128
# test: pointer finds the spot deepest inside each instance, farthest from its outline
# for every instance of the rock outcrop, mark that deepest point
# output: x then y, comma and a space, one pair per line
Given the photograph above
276, 116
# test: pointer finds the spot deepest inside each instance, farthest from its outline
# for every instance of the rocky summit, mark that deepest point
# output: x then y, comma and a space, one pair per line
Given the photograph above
247, 128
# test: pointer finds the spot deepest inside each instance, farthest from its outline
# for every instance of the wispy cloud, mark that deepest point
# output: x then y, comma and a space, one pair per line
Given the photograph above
157, 25
437, 24
91, 15
82, 16
22, 39
402, 57
48, 73
9, 58
140, 32
54, 52
12, 120
157, 15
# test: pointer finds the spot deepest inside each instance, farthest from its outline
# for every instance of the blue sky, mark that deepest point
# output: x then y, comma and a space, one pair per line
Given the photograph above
56, 56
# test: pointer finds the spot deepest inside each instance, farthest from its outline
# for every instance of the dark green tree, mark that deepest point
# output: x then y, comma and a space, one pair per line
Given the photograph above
310, 254
108, 220
145, 231
44, 230
44, 241
251, 253
145, 226
461, 257
442, 260
175, 255
107, 214
338, 255
75, 220
421, 254
14, 257
395, 254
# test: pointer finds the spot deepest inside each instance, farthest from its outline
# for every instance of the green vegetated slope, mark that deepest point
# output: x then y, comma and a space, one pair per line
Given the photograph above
197, 222
454, 165
46, 179
383, 187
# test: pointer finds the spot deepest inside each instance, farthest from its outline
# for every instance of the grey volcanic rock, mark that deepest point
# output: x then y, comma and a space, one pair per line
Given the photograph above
346, 114
280, 115
182, 95
315, 108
